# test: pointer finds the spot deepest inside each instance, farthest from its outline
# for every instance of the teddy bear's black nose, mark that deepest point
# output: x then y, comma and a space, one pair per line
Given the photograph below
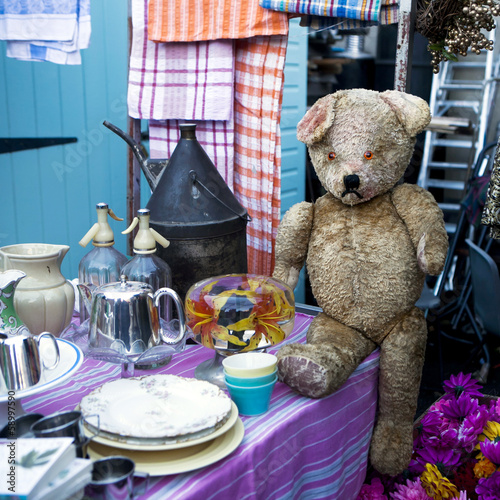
351, 182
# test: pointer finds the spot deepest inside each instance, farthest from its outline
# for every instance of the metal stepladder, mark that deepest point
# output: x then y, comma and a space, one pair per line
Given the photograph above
461, 101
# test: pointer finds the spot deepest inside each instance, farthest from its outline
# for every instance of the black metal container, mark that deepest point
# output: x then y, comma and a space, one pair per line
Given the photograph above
192, 206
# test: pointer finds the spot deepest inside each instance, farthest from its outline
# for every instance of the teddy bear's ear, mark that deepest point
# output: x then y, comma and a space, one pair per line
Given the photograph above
412, 111
317, 120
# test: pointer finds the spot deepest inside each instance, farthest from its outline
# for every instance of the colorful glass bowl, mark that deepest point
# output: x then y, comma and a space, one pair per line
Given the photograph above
240, 312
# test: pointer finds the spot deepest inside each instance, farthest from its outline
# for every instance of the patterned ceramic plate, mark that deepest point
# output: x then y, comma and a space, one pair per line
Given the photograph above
157, 408
164, 443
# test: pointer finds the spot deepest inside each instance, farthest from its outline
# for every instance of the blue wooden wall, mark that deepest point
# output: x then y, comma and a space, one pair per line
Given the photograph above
49, 194
293, 152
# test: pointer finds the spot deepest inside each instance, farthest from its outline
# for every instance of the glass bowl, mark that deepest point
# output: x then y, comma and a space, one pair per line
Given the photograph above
240, 312
237, 313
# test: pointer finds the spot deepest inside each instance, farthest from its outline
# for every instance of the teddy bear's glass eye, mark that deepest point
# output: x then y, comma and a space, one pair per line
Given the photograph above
331, 155
368, 155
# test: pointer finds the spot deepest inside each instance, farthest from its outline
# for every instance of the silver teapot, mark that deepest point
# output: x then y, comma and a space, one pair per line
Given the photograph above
124, 317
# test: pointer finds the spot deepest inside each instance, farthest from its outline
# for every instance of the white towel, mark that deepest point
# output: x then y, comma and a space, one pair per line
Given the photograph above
44, 30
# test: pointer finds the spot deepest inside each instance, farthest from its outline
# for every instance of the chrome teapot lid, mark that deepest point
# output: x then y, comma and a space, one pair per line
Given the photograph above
124, 289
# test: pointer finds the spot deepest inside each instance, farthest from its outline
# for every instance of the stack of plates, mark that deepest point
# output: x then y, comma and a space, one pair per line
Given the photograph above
165, 423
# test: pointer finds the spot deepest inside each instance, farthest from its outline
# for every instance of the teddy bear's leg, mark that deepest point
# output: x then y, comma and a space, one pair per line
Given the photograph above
320, 367
401, 361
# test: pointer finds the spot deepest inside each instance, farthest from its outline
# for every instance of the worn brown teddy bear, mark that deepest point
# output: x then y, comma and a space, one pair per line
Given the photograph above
367, 243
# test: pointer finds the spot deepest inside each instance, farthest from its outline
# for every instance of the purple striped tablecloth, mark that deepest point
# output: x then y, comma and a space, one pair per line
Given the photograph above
300, 449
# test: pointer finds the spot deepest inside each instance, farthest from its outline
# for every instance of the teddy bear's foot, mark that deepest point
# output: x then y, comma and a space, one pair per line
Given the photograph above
391, 447
305, 370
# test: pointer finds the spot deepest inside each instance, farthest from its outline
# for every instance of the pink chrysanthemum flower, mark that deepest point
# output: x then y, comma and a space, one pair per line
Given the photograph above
412, 490
462, 384
461, 496
372, 491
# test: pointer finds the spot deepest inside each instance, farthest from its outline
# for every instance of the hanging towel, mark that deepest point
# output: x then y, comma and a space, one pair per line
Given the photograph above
215, 137
259, 69
179, 81
197, 20
389, 11
44, 30
260, 63
362, 10
491, 211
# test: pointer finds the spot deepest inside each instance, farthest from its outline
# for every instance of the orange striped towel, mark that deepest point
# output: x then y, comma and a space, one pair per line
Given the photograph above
258, 93
197, 20
256, 146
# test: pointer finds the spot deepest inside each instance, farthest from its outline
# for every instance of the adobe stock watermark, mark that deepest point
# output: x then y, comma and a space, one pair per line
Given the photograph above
88, 141
11, 445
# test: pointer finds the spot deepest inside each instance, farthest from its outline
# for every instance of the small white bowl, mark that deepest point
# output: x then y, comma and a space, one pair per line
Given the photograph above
250, 364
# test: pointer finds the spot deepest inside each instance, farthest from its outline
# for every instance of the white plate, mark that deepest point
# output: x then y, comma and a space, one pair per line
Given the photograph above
157, 407
125, 443
71, 358
162, 463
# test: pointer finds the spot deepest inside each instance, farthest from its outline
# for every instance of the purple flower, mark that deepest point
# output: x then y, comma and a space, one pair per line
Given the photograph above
443, 458
428, 430
372, 491
494, 410
465, 434
412, 490
460, 407
460, 384
489, 487
491, 450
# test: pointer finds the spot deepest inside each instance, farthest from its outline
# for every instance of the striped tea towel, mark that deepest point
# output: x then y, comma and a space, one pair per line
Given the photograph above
197, 20
178, 81
363, 10
246, 150
389, 11
44, 30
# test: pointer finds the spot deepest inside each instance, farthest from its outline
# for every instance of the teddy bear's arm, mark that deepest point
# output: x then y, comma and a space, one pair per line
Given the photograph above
292, 241
424, 220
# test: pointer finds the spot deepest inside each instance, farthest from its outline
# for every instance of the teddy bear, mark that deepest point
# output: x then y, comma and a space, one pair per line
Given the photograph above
368, 244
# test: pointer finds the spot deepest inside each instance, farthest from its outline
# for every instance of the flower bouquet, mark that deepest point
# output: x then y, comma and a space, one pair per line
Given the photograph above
456, 450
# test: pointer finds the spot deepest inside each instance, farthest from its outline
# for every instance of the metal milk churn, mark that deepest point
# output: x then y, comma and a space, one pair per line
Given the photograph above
192, 206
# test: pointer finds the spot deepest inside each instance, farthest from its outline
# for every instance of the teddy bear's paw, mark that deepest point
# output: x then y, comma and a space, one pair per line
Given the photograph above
431, 253
299, 370
391, 447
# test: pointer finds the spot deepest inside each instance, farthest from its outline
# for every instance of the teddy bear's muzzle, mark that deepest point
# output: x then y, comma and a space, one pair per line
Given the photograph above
351, 183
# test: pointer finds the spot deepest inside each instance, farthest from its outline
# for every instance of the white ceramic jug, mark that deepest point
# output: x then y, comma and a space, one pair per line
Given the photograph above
44, 299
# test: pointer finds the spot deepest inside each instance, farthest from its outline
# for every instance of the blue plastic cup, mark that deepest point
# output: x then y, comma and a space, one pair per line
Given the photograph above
250, 381
252, 400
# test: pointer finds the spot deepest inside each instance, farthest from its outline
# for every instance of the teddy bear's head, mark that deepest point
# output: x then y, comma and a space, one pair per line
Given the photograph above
361, 141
